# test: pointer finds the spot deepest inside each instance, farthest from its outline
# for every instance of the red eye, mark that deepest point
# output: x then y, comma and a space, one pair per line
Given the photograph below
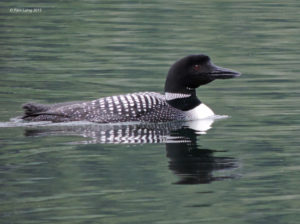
196, 67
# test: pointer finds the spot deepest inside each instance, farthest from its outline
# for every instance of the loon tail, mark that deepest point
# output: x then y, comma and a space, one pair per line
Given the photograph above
34, 109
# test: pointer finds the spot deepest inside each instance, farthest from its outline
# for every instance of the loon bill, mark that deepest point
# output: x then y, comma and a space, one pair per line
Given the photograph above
179, 103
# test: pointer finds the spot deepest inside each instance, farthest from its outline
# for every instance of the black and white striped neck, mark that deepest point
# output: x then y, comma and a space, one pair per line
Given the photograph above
183, 101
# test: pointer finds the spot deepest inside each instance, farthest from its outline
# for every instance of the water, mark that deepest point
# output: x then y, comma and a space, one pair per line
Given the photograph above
242, 169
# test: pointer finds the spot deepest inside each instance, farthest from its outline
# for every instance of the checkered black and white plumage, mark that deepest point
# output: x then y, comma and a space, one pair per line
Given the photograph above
140, 106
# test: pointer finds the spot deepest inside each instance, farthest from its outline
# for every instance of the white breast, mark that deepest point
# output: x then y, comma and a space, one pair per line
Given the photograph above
200, 112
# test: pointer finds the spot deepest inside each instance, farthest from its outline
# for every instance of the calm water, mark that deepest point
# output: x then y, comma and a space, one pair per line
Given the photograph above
241, 169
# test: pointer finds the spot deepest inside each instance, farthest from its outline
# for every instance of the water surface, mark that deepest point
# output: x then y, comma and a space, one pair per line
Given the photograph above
242, 169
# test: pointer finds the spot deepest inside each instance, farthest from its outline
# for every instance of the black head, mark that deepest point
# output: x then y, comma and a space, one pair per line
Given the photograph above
193, 71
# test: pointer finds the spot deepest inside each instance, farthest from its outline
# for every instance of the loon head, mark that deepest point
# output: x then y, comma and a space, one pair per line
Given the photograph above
193, 71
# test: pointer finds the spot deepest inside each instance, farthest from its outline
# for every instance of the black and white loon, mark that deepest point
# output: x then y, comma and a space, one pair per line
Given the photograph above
178, 103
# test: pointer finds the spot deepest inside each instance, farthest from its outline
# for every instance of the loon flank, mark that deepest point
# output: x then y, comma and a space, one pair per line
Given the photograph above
179, 103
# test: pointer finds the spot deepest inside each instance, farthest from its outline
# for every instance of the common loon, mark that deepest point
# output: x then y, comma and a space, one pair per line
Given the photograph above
179, 103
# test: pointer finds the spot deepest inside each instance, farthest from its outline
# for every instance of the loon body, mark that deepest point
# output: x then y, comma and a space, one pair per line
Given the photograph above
178, 103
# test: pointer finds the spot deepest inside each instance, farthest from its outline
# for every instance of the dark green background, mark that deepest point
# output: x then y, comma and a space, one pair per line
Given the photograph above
81, 50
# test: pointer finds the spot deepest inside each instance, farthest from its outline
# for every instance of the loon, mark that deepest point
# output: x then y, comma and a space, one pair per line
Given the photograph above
179, 102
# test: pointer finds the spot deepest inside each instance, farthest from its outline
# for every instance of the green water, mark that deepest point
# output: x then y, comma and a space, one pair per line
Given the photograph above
245, 169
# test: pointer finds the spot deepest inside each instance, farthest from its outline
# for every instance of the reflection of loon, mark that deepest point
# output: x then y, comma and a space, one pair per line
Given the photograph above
179, 102
192, 164
123, 133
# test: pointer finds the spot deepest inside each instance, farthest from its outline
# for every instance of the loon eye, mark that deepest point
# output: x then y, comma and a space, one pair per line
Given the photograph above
196, 67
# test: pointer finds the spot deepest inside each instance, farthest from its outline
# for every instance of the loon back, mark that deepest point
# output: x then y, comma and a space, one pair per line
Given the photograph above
179, 102
141, 106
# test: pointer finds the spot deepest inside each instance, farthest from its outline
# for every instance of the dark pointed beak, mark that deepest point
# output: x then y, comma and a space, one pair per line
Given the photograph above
223, 73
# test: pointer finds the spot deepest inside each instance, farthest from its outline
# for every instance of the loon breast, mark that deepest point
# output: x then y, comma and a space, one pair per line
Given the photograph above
200, 112
190, 105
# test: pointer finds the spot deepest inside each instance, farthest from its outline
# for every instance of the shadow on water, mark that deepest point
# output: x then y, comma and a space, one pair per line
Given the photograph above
190, 162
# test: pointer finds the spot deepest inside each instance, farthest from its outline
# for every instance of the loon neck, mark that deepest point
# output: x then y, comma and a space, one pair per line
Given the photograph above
183, 101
